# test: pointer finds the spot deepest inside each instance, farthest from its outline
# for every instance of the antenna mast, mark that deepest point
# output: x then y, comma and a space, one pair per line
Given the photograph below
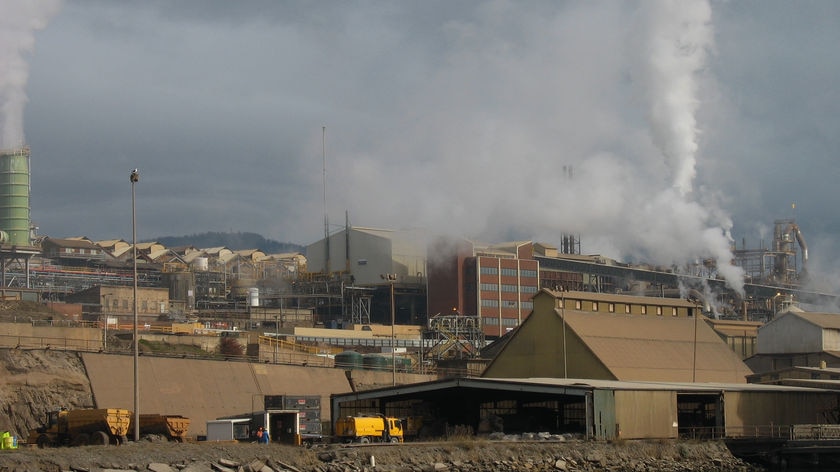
326, 219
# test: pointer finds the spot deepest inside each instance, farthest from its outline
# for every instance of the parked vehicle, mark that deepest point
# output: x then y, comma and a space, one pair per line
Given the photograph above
366, 429
172, 427
82, 427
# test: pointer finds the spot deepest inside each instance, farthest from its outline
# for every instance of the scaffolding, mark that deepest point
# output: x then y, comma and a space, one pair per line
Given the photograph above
455, 337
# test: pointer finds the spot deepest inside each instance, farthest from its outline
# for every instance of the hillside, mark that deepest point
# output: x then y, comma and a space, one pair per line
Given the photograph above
235, 241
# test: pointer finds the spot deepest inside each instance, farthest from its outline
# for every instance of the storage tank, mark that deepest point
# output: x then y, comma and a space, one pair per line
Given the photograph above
348, 360
14, 195
182, 288
253, 296
376, 362
201, 264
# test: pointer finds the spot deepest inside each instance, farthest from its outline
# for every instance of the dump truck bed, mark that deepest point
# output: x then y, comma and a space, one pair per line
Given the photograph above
113, 420
174, 427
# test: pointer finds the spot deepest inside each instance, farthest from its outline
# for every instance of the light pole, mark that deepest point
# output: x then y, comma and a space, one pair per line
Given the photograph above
135, 176
393, 336
276, 335
391, 278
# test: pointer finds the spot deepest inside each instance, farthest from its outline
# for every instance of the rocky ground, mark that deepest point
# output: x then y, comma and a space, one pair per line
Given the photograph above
459, 455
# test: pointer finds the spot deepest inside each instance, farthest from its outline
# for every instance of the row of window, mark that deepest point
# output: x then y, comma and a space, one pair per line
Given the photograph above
493, 303
510, 288
627, 307
491, 321
508, 272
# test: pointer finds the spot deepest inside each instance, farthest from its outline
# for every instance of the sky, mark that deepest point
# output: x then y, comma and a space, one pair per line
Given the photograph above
663, 131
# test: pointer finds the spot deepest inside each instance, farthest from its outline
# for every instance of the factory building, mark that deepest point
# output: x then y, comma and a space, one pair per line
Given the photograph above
494, 283
367, 275
616, 337
797, 339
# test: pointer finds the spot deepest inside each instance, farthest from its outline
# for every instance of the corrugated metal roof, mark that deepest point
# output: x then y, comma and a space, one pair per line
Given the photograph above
638, 385
673, 349
823, 320
73, 242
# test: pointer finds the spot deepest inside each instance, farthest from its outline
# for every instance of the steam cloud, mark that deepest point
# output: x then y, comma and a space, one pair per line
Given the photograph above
681, 35
19, 19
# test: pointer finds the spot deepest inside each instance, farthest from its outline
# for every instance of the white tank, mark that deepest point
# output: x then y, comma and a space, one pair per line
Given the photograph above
254, 296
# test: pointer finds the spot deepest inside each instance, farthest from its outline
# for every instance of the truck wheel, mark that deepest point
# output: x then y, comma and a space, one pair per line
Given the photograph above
43, 441
122, 439
364, 440
81, 439
395, 439
100, 438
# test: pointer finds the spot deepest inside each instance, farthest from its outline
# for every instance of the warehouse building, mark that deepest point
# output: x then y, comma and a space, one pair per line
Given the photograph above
616, 337
593, 409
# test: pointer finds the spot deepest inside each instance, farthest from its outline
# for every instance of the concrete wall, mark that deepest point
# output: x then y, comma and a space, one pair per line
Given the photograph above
205, 390
25, 335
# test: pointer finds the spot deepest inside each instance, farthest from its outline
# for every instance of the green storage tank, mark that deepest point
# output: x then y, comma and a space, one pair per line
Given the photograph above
14, 196
348, 360
376, 362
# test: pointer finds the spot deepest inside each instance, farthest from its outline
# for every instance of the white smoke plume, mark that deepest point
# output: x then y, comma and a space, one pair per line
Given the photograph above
19, 20
675, 52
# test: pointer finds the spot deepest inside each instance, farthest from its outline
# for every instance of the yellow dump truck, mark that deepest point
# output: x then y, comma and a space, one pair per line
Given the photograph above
365, 429
172, 427
82, 427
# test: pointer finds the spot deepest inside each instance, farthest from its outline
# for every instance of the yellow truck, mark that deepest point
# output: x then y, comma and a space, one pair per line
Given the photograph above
171, 427
82, 427
366, 429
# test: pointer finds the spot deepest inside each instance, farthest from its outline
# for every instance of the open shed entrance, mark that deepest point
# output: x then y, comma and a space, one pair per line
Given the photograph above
700, 415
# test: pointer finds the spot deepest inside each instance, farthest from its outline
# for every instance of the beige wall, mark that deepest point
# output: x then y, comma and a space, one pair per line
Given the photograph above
747, 411
25, 335
646, 414
205, 390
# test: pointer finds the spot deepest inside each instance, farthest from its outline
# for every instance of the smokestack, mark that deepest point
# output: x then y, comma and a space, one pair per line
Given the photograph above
14, 197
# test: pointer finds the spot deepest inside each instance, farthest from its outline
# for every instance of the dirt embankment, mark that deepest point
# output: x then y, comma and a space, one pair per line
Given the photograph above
33, 382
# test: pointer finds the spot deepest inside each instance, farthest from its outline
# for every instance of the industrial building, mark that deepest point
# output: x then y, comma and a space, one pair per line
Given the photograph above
616, 337
797, 339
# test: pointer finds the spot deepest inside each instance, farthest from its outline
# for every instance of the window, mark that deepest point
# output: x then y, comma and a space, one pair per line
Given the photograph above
528, 273
490, 287
594, 306
509, 272
509, 288
611, 307
659, 311
644, 309
527, 305
489, 271
529, 289
673, 311
490, 303
577, 304
627, 309
510, 303
509, 322
490, 321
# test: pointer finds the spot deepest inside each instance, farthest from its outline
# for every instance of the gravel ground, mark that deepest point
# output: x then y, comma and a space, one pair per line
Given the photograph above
464, 455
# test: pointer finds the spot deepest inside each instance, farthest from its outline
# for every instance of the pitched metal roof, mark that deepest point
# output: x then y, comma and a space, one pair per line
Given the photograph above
823, 320
661, 348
